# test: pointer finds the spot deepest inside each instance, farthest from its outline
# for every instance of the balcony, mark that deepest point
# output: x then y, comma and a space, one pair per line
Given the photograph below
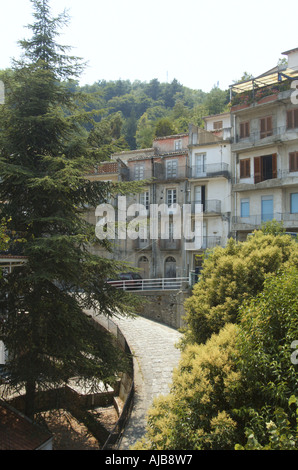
263, 138
211, 207
165, 172
142, 244
281, 178
157, 172
206, 243
169, 244
253, 222
212, 170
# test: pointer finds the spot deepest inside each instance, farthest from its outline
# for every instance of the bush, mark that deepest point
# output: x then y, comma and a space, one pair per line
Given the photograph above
232, 275
198, 413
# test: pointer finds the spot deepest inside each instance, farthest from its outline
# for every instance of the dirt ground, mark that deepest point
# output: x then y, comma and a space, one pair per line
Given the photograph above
69, 434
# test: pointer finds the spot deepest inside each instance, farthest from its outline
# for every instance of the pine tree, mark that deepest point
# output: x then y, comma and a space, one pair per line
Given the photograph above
44, 156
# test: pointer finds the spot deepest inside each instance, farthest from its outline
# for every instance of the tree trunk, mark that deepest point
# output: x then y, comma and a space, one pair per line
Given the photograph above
30, 398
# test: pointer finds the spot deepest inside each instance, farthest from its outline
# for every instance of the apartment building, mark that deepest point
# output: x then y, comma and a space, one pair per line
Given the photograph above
210, 181
265, 150
164, 170
185, 169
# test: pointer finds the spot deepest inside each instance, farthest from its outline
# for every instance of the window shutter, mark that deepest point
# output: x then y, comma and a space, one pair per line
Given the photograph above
266, 126
295, 118
245, 168
289, 120
293, 161
257, 169
274, 165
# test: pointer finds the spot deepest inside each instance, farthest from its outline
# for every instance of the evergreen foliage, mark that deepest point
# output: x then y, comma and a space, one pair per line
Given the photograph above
45, 151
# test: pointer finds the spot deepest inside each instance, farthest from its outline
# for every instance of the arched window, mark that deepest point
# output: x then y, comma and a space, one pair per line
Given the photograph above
143, 265
170, 267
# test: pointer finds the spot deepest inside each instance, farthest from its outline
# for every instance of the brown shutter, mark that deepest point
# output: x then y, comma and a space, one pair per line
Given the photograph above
242, 169
295, 119
274, 165
291, 161
269, 125
245, 168
289, 120
263, 127
257, 169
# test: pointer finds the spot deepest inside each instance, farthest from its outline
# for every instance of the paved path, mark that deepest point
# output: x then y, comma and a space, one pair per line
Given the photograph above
155, 357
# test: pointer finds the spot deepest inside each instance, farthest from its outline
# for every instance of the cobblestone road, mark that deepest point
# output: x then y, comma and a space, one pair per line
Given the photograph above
155, 357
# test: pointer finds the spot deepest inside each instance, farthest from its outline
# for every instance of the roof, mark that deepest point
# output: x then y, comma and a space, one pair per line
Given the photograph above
17, 432
275, 75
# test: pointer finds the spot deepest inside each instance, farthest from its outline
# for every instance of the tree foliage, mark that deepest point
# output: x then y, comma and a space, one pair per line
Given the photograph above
236, 391
44, 154
231, 275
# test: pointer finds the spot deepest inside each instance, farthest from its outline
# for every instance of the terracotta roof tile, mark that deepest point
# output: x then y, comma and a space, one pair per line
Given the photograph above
17, 432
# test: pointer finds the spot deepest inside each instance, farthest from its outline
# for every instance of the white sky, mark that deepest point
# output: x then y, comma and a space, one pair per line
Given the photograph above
200, 43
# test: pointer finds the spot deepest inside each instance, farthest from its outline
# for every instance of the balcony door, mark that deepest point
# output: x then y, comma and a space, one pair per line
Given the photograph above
200, 164
265, 168
267, 208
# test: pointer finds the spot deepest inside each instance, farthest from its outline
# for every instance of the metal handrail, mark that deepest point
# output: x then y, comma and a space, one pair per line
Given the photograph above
163, 283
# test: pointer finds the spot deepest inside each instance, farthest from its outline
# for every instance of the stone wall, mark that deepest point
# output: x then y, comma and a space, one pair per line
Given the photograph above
164, 306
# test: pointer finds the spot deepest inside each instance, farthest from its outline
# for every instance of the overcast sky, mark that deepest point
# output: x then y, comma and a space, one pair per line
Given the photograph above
200, 43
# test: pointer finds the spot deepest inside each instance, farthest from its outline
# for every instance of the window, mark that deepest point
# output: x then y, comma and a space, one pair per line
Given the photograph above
294, 203
171, 196
200, 164
265, 167
245, 168
292, 118
200, 195
217, 125
293, 161
178, 144
144, 199
267, 208
265, 127
172, 168
139, 172
244, 129
244, 207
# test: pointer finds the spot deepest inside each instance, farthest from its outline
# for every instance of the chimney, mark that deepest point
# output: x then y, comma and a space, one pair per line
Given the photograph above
292, 58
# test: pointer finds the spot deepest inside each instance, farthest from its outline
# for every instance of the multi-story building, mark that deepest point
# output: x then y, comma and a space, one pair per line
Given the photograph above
242, 168
265, 150
210, 181
164, 170
185, 169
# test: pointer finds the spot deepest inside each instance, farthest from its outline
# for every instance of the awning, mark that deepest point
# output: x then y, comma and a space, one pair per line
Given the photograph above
272, 77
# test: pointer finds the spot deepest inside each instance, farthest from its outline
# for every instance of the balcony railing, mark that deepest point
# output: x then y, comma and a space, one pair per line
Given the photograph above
142, 244
211, 170
169, 244
254, 221
205, 243
280, 174
212, 206
276, 133
159, 171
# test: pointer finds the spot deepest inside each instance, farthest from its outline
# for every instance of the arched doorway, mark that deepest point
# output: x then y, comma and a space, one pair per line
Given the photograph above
170, 267
143, 265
